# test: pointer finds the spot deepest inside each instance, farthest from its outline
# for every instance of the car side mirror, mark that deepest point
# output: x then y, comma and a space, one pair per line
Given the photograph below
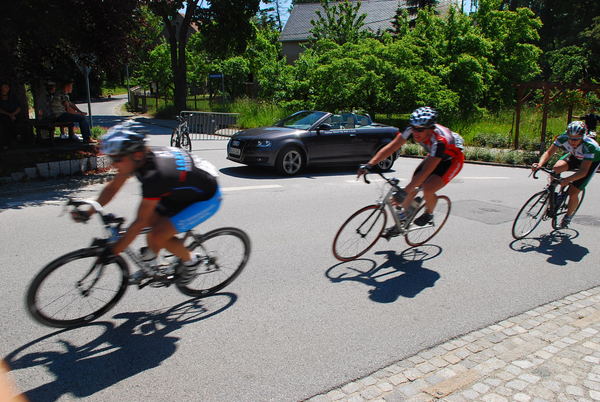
324, 127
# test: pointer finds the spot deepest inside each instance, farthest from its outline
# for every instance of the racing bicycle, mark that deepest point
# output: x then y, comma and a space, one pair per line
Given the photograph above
366, 226
82, 285
548, 204
180, 137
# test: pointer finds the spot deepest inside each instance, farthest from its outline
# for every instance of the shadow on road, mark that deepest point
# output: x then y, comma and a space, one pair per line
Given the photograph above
558, 245
400, 275
138, 344
256, 172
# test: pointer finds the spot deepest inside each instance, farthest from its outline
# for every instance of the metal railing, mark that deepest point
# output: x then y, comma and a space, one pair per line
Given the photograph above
211, 125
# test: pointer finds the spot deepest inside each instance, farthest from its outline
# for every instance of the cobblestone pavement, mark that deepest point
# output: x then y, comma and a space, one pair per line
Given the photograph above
551, 353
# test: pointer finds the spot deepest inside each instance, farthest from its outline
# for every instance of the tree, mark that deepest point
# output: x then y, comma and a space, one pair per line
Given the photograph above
177, 36
34, 47
215, 22
341, 23
413, 6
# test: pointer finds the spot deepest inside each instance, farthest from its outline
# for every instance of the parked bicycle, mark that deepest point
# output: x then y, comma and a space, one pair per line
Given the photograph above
81, 286
365, 227
180, 137
550, 203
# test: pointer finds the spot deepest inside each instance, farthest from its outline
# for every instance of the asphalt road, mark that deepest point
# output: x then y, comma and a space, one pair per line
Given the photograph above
296, 322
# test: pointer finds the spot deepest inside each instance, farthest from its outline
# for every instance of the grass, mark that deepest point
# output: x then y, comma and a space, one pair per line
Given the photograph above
107, 90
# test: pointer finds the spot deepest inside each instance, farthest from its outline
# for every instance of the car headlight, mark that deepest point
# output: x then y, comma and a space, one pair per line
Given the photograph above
263, 143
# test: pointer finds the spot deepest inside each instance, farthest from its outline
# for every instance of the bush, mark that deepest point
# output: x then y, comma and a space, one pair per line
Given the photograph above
492, 140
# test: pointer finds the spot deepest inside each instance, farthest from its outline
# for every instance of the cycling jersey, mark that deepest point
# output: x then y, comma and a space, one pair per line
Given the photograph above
587, 150
443, 142
176, 178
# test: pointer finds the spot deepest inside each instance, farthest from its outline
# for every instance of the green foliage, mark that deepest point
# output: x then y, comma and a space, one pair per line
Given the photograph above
156, 68
568, 64
257, 114
341, 22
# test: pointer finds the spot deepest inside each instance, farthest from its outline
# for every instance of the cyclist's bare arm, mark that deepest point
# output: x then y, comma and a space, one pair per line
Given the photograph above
143, 220
545, 157
579, 174
107, 194
386, 151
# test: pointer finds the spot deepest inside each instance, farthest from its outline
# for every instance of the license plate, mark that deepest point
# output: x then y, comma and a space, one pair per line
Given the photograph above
235, 143
235, 151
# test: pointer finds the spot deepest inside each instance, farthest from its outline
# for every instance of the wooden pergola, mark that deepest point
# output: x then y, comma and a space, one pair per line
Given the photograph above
551, 90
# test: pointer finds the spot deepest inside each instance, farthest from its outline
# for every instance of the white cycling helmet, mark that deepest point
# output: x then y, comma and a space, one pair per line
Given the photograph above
576, 129
119, 140
423, 117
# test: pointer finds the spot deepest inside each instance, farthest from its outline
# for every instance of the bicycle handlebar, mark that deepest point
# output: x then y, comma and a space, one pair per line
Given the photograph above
107, 219
391, 182
555, 176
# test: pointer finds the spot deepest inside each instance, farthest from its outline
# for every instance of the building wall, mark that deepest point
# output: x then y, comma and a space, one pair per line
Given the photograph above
291, 51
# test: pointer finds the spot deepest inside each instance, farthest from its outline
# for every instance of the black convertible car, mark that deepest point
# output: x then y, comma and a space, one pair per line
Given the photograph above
312, 138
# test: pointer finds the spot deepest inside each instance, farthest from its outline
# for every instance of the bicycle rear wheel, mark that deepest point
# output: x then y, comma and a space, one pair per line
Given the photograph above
359, 232
175, 137
224, 253
418, 235
530, 215
72, 290
562, 210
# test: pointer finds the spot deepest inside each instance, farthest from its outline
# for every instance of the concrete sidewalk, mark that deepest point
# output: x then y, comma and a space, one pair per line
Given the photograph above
551, 353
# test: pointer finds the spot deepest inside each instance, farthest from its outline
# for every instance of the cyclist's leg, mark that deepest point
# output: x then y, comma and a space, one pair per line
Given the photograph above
569, 162
442, 175
573, 200
562, 165
163, 236
185, 220
578, 186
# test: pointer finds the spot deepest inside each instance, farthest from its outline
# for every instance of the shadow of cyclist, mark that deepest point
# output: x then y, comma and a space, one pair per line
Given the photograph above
558, 245
138, 344
399, 275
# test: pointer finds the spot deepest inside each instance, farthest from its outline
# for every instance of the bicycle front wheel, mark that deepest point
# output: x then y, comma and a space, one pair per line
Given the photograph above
530, 215
186, 142
562, 210
73, 290
359, 233
417, 235
224, 253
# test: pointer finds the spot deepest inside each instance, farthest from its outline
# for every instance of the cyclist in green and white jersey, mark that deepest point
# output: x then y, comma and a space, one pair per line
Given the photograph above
583, 156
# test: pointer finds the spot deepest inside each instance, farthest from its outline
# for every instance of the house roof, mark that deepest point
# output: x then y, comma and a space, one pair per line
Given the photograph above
380, 14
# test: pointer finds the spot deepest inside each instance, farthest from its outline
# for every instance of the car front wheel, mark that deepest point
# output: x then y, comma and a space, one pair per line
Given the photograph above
290, 161
386, 164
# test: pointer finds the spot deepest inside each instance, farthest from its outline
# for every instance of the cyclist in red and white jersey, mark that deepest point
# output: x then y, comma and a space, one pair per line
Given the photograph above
444, 159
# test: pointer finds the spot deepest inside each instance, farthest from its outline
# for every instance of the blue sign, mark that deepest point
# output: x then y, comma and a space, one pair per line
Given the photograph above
215, 75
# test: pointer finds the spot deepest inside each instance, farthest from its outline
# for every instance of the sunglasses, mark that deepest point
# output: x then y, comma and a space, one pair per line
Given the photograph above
575, 138
419, 129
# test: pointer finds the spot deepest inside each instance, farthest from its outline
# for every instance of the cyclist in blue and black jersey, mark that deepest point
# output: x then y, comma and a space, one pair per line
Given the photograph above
179, 191
583, 156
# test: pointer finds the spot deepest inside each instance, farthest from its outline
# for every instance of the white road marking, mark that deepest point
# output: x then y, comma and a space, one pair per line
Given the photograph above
241, 188
483, 177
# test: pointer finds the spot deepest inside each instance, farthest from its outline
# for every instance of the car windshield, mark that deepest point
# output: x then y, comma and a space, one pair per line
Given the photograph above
301, 120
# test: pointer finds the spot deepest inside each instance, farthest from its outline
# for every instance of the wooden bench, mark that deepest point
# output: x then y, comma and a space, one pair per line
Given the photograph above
50, 126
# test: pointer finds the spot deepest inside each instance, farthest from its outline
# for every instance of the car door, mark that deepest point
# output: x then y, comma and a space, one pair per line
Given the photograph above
330, 145
368, 138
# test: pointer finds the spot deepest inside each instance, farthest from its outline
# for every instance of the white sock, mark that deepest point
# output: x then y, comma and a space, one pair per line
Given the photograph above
192, 261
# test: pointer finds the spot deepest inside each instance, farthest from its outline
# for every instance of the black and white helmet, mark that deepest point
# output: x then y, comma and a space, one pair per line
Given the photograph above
576, 129
423, 117
120, 140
